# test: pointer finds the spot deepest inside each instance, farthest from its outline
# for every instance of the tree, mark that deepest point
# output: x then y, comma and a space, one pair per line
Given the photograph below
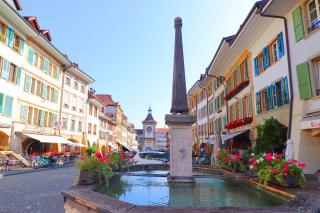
270, 136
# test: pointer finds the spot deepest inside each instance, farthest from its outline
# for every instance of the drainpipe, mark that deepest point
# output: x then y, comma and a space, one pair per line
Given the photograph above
61, 97
289, 67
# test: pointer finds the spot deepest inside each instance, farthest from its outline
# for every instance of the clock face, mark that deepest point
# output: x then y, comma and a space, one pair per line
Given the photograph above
149, 128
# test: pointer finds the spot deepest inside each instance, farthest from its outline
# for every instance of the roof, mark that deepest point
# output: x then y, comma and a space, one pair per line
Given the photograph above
46, 34
33, 21
106, 99
162, 130
17, 4
149, 118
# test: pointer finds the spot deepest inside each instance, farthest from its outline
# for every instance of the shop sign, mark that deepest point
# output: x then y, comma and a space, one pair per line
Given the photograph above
313, 124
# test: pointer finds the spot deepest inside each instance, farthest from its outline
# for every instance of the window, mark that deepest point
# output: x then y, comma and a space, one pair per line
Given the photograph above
12, 73
45, 119
35, 59
75, 85
50, 119
73, 125
82, 88
79, 126
3, 29
39, 88
316, 64
52, 92
68, 81
90, 109
313, 9
274, 52
64, 123
89, 128
74, 103
35, 116
95, 111
66, 99
30, 115
33, 85
6, 104
16, 43
40, 63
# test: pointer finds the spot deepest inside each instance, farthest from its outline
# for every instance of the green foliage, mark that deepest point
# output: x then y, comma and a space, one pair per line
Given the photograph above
118, 160
270, 135
95, 167
91, 150
232, 161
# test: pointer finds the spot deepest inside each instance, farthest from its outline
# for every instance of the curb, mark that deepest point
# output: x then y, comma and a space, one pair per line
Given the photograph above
19, 172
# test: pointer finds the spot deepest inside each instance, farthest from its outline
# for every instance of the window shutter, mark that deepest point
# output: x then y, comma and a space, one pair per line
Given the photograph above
280, 44
58, 73
8, 106
30, 55
238, 75
8, 34
18, 76
44, 91
54, 120
249, 105
241, 108
303, 81
285, 91
1, 102
41, 118
256, 67
56, 95
224, 121
275, 98
298, 24
5, 69
22, 46
24, 114
234, 112
266, 57
258, 101
27, 83
46, 65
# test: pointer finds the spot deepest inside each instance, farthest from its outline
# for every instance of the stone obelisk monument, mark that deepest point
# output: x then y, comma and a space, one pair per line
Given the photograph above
179, 121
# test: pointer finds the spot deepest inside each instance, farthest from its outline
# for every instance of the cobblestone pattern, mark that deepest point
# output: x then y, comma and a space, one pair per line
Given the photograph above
35, 192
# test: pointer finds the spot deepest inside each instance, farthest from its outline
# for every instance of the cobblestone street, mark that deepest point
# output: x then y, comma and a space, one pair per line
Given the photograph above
35, 192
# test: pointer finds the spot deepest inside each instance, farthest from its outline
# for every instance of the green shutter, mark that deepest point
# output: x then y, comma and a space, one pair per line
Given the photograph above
56, 95
44, 91
54, 120
27, 83
304, 81
41, 118
18, 76
298, 24
58, 73
246, 71
241, 108
238, 74
1, 102
5, 69
24, 114
22, 46
8, 106
30, 55
46, 65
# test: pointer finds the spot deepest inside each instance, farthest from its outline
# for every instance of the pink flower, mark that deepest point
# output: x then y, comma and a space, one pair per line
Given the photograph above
284, 169
100, 160
98, 155
107, 160
302, 165
255, 163
268, 157
285, 174
295, 161
251, 160
285, 165
275, 171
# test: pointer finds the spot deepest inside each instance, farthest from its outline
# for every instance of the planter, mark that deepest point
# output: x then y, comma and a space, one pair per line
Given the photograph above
289, 181
86, 178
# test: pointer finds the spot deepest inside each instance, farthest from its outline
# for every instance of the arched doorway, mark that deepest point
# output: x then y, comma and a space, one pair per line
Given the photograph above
30, 146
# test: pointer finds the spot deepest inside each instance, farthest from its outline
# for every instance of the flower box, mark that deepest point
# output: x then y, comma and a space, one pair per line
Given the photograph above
236, 90
86, 178
239, 122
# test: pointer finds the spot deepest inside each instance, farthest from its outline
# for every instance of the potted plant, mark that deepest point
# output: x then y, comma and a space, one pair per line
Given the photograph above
94, 168
118, 160
230, 161
271, 167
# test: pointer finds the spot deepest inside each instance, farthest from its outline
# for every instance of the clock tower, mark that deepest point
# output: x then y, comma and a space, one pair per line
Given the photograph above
149, 137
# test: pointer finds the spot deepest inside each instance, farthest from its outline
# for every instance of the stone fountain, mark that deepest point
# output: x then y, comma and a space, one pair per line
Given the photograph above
179, 121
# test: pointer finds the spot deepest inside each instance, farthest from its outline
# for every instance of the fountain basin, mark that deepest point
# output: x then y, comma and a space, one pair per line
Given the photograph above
148, 190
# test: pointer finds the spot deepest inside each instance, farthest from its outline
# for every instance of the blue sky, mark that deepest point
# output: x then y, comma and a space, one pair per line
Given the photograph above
127, 45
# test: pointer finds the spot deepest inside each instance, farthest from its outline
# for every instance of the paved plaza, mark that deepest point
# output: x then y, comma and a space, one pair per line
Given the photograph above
35, 192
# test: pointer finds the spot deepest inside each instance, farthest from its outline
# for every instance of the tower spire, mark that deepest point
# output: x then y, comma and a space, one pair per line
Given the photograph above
179, 94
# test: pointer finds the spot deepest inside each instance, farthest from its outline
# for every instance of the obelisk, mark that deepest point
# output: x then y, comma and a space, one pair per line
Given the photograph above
179, 121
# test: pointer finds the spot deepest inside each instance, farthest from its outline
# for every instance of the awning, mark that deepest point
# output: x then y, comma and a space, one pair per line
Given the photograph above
127, 146
112, 145
5, 124
232, 135
51, 139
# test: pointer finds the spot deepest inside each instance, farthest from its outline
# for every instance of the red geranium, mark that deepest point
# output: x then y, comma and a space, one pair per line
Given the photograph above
275, 171
98, 155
